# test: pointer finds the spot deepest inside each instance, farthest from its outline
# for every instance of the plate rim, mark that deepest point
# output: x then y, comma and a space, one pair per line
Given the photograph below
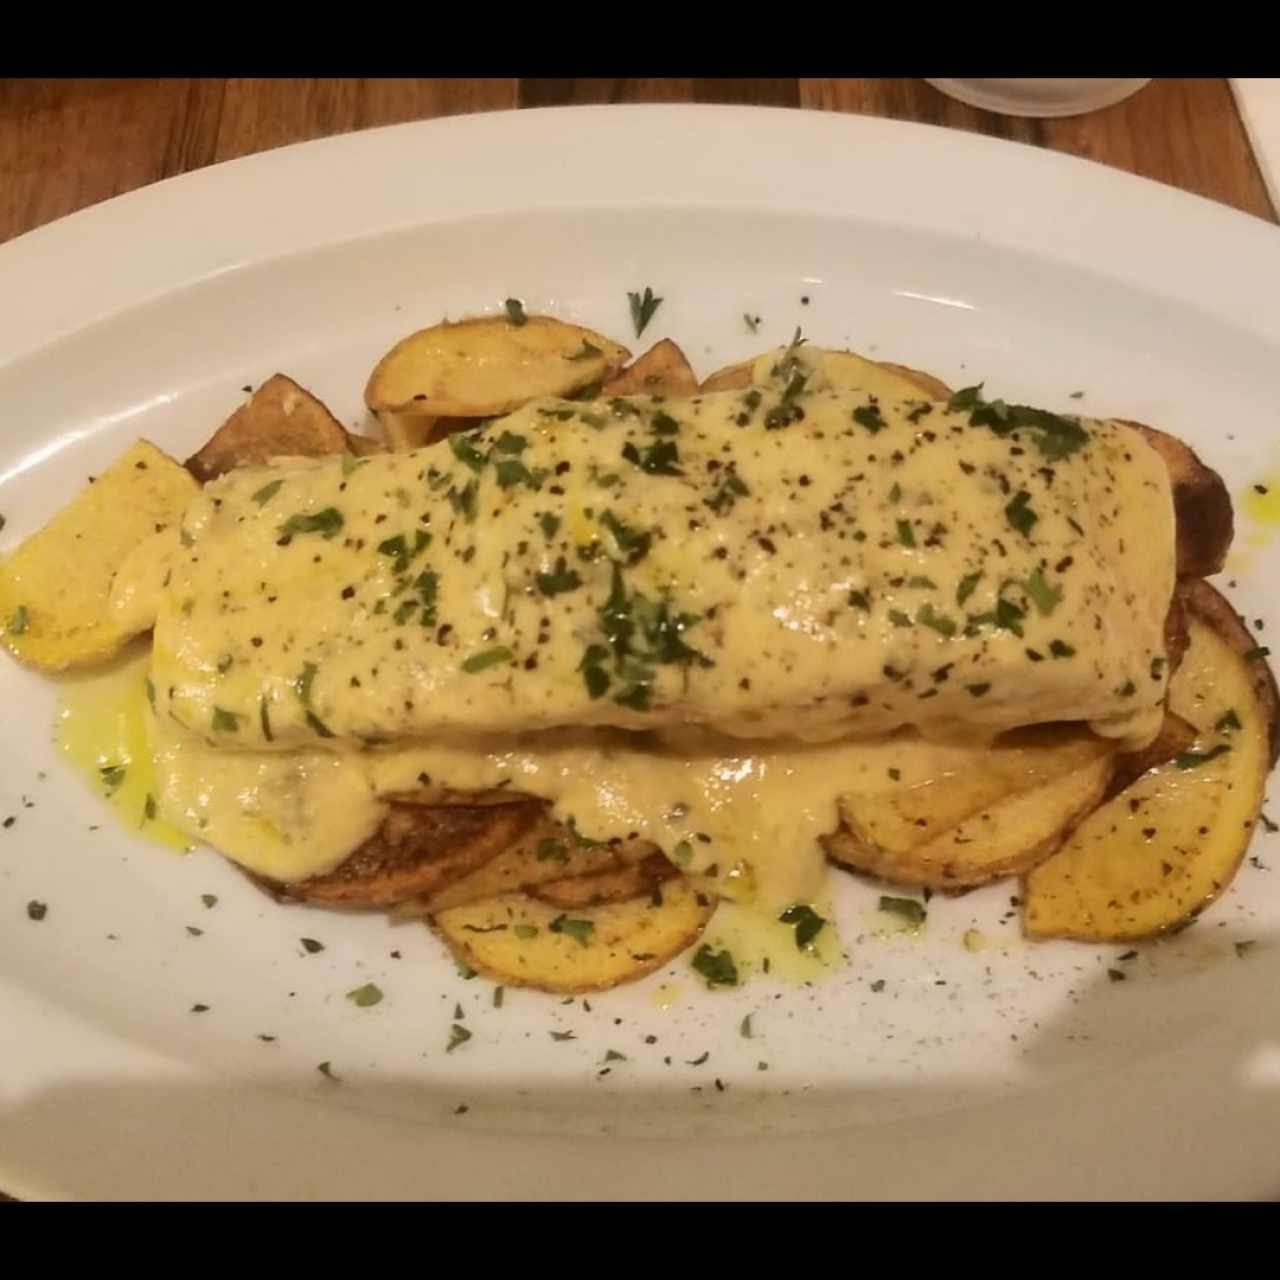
144, 215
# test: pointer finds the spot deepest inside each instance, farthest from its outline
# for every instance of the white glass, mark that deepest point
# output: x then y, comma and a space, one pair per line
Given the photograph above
1040, 95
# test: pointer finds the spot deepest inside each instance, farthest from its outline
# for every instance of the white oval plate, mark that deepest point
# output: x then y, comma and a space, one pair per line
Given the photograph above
1020, 1071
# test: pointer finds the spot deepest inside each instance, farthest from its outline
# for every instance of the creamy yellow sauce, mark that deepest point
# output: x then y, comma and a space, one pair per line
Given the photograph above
102, 731
699, 621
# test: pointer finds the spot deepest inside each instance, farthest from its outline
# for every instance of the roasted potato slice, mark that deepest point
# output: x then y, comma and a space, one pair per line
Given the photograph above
844, 369
550, 853
55, 587
280, 420
518, 941
733, 377
417, 850
481, 367
608, 886
661, 371
1005, 839
1154, 858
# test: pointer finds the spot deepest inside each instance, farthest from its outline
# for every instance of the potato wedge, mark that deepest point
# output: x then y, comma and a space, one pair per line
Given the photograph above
518, 941
608, 886
417, 850
54, 588
897, 820
661, 371
1005, 839
844, 369
1153, 858
549, 854
281, 419
485, 366
733, 377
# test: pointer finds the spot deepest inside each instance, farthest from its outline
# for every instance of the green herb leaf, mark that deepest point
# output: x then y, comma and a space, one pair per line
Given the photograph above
939, 622
727, 494
149, 809
463, 500
808, 924
908, 909
550, 525
968, 584
663, 424
487, 658
225, 721
1228, 721
458, 1034
37, 910
744, 1028
311, 946
560, 580
464, 449
1061, 649
550, 850
612, 1055
509, 442
1044, 596
326, 1070
350, 465
906, 534
365, 997
1257, 653
210, 900
113, 775
632, 544
643, 305
752, 322
18, 621
977, 690
898, 618
328, 523
585, 352
318, 726
1194, 759
267, 492
717, 967
1020, 515
525, 931
659, 459
860, 600
515, 312
869, 416
579, 930
302, 684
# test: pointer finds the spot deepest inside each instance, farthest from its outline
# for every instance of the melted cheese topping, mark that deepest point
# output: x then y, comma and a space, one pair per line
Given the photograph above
699, 621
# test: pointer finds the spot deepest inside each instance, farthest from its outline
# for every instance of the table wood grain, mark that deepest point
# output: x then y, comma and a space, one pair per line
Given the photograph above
65, 144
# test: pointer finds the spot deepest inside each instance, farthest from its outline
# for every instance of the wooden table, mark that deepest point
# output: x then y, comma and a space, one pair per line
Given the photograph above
65, 144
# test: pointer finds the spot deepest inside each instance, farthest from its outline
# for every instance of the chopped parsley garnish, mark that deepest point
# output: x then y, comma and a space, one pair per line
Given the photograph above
400, 551
113, 775
906, 534
659, 459
683, 853
549, 524
365, 997
225, 721
525, 931
1044, 595
18, 621
717, 967
264, 719
267, 492
927, 616
318, 726
612, 1055
977, 690
458, 1034
326, 1070
499, 993
328, 523
907, 909
663, 424
351, 465
1194, 759
1009, 616
1258, 652
210, 900
895, 493
643, 305
515, 312
509, 442
37, 910
786, 411
311, 946
727, 494
921, 583
869, 416
466, 452
463, 500
149, 809
151, 693
302, 684
1054, 436
968, 584
560, 580
1061, 649
1021, 516
487, 658
596, 678
585, 352
632, 543
563, 1035
510, 472
898, 618
550, 850
752, 322
744, 1028
579, 930
860, 600
1228, 721
808, 924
